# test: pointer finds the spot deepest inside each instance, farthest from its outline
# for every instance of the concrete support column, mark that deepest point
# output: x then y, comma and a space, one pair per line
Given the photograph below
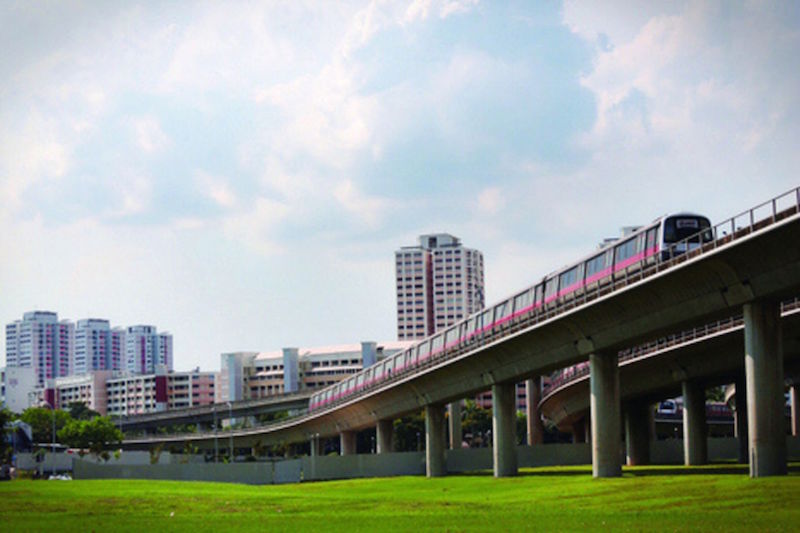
385, 436
454, 424
347, 443
316, 446
605, 415
533, 391
763, 365
434, 441
793, 400
740, 418
637, 433
504, 429
695, 436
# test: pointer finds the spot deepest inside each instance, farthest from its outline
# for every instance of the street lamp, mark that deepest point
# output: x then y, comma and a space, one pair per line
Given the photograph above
230, 430
216, 442
53, 458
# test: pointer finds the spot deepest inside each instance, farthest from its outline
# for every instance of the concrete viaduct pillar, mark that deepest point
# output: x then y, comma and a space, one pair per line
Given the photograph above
316, 446
454, 424
740, 418
763, 365
605, 415
385, 436
793, 400
695, 441
533, 391
434, 441
347, 443
504, 429
637, 433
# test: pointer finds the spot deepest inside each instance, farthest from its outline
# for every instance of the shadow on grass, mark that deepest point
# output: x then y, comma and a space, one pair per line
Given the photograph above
639, 471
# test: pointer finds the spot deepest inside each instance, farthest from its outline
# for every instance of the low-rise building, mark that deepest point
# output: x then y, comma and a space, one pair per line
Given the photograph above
250, 375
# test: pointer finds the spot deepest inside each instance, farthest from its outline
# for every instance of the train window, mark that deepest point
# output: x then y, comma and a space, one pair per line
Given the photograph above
568, 278
651, 239
451, 336
471, 323
502, 310
539, 293
424, 349
625, 250
682, 227
595, 264
522, 301
486, 319
437, 342
550, 288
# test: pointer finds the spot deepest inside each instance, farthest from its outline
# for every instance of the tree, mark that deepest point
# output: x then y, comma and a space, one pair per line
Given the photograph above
94, 435
41, 421
409, 433
80, 411
5, 449
477, 421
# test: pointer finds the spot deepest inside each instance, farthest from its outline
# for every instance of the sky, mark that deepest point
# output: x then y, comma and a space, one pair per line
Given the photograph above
240, 174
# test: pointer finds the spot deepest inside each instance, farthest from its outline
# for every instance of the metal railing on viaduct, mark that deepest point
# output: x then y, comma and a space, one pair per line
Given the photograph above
750, 266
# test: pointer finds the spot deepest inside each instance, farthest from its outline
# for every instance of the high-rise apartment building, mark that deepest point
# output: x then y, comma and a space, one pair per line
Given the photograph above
41, 342
439, 282
146, 350
97, 346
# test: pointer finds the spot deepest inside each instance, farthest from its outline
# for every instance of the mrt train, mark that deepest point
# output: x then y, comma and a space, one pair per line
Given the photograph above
665, 237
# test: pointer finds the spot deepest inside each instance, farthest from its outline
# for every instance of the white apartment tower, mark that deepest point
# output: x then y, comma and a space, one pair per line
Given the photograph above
97, 346
41, 342
439, 282
146, 350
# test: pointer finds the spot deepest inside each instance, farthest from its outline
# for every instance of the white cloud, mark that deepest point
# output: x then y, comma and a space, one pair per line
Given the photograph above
30, 154
216, 188
149, 135
694, 97
256, 227
134, 193
491, 201
370, 210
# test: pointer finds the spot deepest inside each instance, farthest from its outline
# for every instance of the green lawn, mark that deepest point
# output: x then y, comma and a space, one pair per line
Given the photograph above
548, 499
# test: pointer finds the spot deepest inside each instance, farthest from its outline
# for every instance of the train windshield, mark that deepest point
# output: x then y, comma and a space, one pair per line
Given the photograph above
681, 227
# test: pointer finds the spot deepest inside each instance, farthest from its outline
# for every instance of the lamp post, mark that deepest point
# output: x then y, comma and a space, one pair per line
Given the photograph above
216, 442
230, 431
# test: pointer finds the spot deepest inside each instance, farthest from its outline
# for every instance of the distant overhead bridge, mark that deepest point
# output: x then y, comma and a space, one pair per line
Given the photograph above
207, 414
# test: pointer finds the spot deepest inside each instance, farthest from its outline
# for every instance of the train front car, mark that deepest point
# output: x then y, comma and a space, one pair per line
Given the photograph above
676, 229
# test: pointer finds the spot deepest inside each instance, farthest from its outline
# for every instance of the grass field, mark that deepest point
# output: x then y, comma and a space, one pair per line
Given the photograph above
547, 499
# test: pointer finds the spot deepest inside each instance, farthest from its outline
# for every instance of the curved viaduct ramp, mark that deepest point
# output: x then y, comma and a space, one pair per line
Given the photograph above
714, 358
759, 264
208, 413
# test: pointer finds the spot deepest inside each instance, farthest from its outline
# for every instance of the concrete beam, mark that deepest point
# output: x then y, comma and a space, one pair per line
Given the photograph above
605, 415
695, 435
385, 436
434, 441
763, 362
347, 443
533, 390
504, 429
637, 433
454, 425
